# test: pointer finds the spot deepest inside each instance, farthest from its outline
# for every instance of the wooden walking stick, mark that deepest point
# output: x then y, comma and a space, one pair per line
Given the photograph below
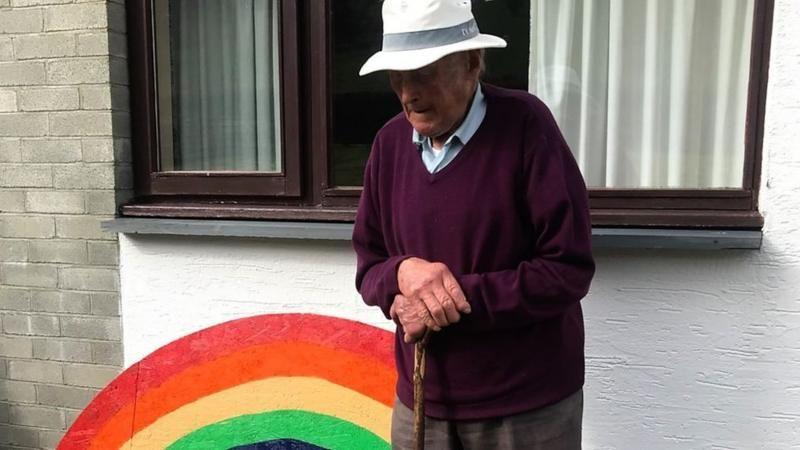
419, 393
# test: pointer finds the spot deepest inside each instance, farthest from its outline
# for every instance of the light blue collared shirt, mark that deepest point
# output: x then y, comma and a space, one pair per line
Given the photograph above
436, 160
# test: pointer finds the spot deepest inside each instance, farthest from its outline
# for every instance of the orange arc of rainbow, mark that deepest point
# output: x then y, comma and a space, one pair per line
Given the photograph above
271, 394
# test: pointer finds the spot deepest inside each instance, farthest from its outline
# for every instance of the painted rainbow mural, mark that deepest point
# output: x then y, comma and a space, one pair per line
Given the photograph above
295, 381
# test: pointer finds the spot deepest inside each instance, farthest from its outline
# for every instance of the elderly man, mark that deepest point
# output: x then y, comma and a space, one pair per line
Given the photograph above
474, 224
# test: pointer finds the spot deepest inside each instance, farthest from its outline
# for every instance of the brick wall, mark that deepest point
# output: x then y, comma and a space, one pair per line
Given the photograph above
64, 166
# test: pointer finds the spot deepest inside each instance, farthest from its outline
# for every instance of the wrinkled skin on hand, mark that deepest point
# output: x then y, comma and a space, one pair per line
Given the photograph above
430, 298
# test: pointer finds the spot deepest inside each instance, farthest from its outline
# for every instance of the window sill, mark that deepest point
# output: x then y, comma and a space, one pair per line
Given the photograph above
615, 238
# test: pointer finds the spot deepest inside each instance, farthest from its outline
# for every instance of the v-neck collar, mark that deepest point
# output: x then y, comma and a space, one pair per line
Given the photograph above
462, 154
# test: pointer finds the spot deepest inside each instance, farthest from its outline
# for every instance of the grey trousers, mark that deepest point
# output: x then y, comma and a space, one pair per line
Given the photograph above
554, 427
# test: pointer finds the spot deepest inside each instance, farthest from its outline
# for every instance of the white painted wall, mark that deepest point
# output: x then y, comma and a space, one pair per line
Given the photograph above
686, 350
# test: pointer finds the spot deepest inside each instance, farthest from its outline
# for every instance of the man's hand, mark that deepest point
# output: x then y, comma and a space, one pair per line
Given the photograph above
413, 316
433, 285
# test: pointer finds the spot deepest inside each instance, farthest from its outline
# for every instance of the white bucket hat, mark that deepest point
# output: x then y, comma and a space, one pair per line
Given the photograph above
420, 32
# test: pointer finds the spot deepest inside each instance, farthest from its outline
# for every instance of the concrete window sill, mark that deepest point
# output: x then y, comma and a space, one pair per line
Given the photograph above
631, 238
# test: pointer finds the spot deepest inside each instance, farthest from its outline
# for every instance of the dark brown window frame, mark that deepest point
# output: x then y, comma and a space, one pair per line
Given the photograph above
307, 120
149, 179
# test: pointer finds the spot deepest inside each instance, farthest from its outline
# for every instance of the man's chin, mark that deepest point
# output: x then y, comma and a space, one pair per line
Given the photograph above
425, 129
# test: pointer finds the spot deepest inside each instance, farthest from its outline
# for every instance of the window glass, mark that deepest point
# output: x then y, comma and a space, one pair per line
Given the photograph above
649, 93
218, 83
361, 105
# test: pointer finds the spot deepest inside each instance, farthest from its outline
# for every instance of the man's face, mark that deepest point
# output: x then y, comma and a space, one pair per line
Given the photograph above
435, 97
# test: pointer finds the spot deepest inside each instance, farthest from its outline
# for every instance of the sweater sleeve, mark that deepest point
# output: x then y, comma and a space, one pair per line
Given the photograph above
560, 271
376, 270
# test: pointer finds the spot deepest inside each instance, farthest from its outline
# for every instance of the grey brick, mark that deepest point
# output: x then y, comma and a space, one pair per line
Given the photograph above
103, 253
81, 123
3, 371
6, 49
3, 412
8, 100
121, 99
98, 149
15, 299
118, 68
22, 73
107, 353
59, 202
56, 150
76, 17
17, 391
82, 227
78, 71
58, 251
116, 18
117, 44
121, 123
71, 415
10, 150
105, 304
62, 350
50, 45
124, 176
96, 97
39, 2
22, 124
21, 21
13, 250
49, 439
11, 201
15, 347
19, 436
91, 328
93, 44
39, 371
89, 279
20, 175
61, 302
16, 226
85, 176
101, 202
51, 99
89, 375
29, 274
36, 416
122, 150
65, 396
30, 324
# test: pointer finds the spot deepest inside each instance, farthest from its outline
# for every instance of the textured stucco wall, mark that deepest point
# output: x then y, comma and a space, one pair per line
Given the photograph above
685, 349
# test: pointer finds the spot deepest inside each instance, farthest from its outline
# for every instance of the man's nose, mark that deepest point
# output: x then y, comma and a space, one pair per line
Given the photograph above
408, 89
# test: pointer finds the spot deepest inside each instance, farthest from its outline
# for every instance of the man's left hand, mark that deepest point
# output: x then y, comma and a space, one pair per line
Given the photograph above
413, 316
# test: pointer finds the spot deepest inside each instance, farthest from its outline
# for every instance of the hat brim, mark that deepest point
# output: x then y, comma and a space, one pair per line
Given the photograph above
414, 59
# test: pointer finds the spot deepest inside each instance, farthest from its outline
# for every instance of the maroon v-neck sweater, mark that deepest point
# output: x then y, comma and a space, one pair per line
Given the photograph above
509, 216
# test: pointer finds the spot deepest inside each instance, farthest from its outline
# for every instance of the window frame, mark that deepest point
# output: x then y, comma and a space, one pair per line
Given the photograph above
148, 178
310, 196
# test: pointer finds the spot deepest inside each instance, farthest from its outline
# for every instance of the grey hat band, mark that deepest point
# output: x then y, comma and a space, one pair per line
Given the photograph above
417, 40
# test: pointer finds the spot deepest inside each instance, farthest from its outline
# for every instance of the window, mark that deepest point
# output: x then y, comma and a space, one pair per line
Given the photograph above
254, 109
217, 108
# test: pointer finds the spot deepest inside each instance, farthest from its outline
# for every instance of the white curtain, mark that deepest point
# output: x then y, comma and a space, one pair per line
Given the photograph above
648, 93
225, 85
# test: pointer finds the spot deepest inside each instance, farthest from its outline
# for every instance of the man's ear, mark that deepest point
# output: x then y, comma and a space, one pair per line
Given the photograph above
474, 61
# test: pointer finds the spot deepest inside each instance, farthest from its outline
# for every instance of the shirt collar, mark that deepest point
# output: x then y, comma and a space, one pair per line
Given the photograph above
468, 127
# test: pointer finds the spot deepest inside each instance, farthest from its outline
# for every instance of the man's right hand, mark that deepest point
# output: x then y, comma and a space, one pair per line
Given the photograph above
434, 285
